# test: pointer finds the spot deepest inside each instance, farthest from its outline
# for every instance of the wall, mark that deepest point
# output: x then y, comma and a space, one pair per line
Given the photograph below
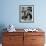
10, 13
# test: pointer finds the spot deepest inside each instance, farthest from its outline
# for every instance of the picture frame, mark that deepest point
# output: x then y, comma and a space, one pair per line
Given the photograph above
26, 13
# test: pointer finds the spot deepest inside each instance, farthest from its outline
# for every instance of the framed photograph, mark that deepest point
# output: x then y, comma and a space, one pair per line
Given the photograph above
26, 13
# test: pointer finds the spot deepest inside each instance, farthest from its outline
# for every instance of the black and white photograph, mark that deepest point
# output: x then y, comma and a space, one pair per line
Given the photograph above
26, 13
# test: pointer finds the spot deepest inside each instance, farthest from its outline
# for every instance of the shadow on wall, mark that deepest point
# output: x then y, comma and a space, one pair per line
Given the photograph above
2, 26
